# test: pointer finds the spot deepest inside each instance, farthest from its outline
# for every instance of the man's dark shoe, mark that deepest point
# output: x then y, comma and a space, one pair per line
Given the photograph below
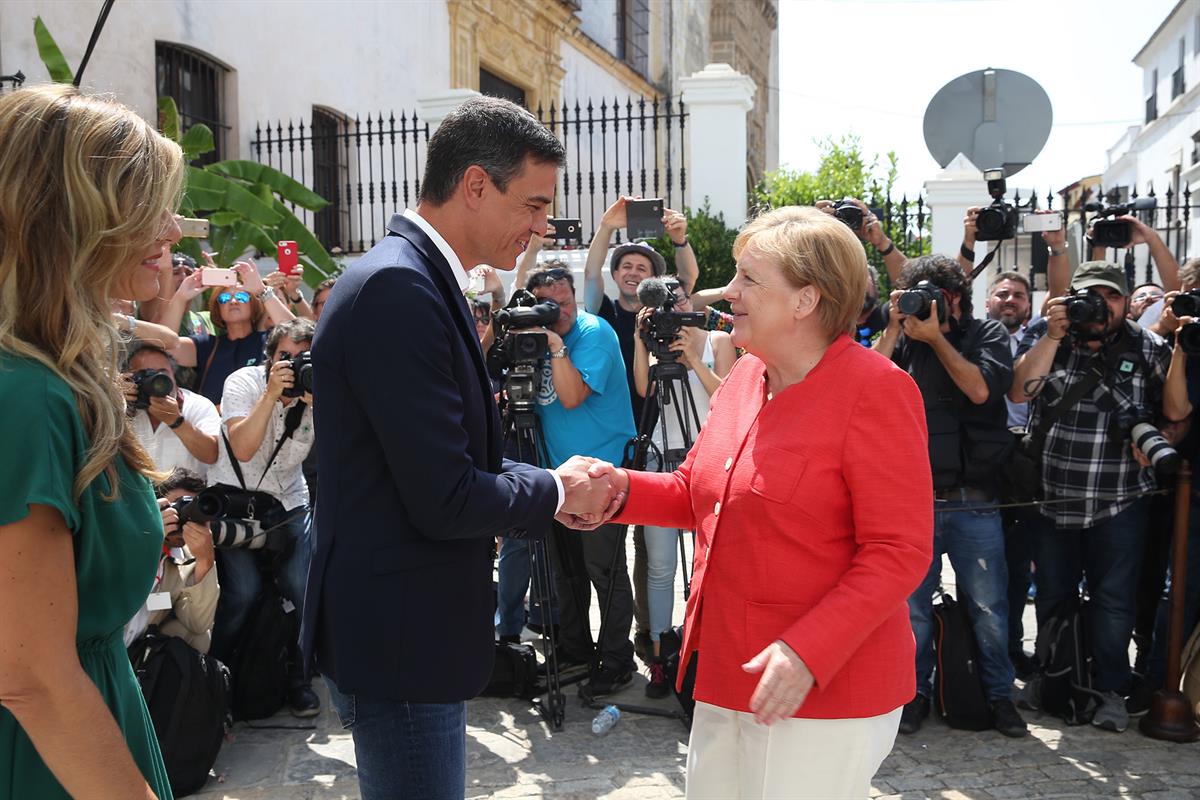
1024, 665
1138, 702
658, 687
607, 680
566, 664
1007, 720
914, 713
303, 701
510, 638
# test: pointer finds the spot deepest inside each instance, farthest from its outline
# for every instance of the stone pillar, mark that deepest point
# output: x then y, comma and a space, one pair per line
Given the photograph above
436, 107
949, 194
717, 100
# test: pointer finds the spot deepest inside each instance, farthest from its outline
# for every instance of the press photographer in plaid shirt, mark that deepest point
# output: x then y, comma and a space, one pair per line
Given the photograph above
1089, 460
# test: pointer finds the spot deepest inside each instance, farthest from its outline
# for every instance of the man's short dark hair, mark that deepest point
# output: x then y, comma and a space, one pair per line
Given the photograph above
549, 272
298, 330
943, 272
140, 346
1012, 276
180, 478
1143, 286
496, 135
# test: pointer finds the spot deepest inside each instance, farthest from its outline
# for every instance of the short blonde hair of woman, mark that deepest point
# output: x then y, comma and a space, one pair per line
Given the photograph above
1189, 273
815, 249
86, 187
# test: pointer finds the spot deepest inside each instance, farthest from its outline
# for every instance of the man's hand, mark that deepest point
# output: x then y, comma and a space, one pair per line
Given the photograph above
675, 224
164, 409
895, 318
969, 226
1055, 240
1056, 318
553, 340
785, 683
199, 541
491, 279
614, 216
591, 493
279, 378
598, 470
1140, 232
170, 518
927, 330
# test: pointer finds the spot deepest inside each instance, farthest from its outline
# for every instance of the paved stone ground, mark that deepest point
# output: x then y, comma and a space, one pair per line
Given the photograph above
513, 754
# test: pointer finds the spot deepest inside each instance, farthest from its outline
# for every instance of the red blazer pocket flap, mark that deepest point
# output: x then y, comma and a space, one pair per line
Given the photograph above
777, 474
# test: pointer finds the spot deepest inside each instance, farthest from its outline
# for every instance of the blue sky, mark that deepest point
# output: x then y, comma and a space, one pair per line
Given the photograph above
871, 67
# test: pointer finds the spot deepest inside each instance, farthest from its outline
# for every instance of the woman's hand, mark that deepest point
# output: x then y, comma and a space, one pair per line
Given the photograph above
250, 277
191, 287
685, 345
785, 683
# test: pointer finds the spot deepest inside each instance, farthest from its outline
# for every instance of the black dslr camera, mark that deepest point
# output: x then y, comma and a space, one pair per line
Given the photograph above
998, 221
517, 350
302, 372
1110, 232
664, 323
850, 214
1085, 307
1186, 304
151, 383
208, 505
918, 301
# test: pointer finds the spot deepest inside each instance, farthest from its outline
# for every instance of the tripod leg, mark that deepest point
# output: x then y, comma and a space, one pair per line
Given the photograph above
554, 702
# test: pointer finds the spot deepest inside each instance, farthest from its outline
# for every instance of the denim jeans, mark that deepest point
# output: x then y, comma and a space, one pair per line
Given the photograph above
1019, 526
974, 540
1109, 554
662, 556
514, 569
1156, 667
241, 577
405, 750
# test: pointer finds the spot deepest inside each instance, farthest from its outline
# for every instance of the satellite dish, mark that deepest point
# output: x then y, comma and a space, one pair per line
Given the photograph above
995, 117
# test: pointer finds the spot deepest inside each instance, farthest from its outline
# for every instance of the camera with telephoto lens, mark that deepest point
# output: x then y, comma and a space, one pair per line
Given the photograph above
206, 506
302, 374
1085, 307
1107, 231
151, 383
1186, 304
1138, 426
517, 351
663, 324
918, 301
998, 221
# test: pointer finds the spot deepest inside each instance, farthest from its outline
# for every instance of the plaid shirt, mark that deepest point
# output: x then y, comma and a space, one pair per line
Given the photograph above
1084, 457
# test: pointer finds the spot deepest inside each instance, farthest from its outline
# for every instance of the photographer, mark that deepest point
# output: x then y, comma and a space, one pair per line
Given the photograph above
183, 599
1058, 262
1098, 375
963, 367
269, 441
583, 405
708, 357
1141, 233
178, 428
870, 230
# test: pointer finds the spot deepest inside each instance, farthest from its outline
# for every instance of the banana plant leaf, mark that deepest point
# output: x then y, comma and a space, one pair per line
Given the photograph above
56, 64
283, 185
168, 118
292, 229
197, 141
211, 192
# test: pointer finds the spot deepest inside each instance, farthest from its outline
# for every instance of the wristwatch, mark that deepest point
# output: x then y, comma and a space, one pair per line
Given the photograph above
1054, 252
266, 294
562, 352
681, 245
297, 300
176, 423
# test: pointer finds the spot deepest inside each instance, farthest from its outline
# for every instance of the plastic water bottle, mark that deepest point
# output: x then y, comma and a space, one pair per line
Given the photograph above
605, 720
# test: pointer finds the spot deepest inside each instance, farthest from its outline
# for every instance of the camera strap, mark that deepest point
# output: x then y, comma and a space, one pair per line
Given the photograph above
290, 423
982, 265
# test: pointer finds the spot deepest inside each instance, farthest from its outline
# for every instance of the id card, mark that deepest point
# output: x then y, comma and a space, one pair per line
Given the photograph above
158, 601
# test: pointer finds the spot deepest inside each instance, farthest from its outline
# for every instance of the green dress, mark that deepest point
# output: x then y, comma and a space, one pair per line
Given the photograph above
117, 546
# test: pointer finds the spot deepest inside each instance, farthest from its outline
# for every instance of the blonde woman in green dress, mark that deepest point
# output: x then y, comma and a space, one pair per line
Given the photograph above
87, 195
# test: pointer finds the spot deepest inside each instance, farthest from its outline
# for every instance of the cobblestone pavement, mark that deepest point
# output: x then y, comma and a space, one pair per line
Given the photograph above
511, 753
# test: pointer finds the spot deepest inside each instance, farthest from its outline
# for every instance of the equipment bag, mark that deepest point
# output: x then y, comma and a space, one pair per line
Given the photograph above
187, 693
958, 683
1190, 669
1063, 685
670, 644
514, 673
259, 664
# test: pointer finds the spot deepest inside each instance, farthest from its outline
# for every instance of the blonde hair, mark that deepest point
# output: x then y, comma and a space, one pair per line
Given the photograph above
85, 187
815, 249
1189, 273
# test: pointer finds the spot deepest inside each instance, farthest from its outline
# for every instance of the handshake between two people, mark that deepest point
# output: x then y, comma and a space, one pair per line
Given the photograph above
594, 490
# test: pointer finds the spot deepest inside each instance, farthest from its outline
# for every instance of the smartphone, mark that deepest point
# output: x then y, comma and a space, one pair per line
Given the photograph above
287, 255
643, 219
566, 230
1034, 223
194, 228
215, 276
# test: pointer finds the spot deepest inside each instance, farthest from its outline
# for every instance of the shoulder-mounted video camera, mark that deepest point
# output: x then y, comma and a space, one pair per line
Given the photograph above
1107, 231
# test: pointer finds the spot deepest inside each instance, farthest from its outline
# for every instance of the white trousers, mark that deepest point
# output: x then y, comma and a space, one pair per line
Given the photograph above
732, 757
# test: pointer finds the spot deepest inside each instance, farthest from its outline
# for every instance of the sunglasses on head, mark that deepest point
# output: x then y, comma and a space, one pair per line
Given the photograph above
548, 277
241, 297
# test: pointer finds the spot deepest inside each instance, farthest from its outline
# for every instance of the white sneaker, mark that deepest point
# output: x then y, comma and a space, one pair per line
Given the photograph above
1111, 715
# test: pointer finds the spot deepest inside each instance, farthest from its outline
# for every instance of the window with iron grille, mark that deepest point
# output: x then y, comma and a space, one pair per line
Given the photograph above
1177, 81
197, 85
331, 223
633, 34
494, 86
1152, 100
1196, 148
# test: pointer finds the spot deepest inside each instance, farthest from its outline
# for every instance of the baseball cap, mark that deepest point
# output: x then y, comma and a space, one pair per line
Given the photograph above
1100, 273
642, 249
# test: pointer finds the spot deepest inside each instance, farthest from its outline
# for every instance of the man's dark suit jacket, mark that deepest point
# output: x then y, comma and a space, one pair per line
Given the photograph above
413, 484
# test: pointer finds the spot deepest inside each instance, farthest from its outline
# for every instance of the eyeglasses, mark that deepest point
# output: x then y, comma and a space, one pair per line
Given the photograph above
241, 297
1150, 296
547, 277
483, 316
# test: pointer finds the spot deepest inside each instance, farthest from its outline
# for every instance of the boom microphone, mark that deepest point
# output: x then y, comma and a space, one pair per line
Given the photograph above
653, 293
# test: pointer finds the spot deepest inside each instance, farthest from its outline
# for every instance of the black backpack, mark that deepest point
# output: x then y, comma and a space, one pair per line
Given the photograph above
670, 643
514, 673
1063, 684
259, 664
187, 693
958, 683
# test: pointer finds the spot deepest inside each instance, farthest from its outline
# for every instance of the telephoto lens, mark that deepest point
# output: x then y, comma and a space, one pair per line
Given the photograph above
1162, 455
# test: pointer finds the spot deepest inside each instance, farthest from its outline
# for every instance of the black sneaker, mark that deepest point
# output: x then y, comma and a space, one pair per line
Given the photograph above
658, 687
1007, 720
607, 680
1140, 698
303, 701
509, 638
914, 713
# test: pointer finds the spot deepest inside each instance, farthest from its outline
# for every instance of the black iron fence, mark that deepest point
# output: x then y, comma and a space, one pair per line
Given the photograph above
11, 82
369, 169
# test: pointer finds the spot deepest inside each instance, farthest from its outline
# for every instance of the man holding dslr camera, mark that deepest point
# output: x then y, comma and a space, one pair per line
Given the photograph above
267, 413
1092, 378
963, 367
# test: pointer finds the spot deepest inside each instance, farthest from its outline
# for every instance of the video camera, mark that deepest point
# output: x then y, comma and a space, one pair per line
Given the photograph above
1110, 232
918, 301
515, 354
302, 371
151, 383
664, 323
998, 221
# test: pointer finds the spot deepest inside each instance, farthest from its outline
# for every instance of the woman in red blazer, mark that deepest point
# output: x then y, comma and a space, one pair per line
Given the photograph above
810, 494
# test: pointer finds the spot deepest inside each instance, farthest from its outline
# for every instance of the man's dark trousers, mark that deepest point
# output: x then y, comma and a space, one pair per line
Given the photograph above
581, 561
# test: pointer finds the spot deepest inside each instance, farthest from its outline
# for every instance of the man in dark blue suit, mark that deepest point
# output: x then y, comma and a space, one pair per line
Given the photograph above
413, 484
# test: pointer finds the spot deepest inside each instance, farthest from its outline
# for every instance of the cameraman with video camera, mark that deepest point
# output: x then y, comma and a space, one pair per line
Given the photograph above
1094, 382
963, 367
583, 405
268, 430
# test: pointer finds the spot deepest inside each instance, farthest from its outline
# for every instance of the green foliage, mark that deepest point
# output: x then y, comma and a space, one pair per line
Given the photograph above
56, 64
711, 241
